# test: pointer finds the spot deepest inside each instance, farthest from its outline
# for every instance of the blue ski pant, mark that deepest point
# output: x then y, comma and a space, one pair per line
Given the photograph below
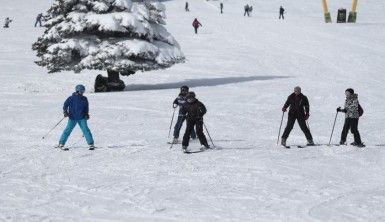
71, 125
178, 126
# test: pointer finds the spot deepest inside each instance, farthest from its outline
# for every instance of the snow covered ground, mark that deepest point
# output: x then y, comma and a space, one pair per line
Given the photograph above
242, 69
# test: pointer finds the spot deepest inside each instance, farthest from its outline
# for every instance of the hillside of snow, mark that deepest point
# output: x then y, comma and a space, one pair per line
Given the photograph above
242, 69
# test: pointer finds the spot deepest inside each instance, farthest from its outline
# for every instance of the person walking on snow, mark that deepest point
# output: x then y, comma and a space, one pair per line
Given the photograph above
181, 101
352, 111
195, 110
221, 7
76, 109
186, 7
7, 22
196, 25
299, 110
281, 12
39, 19
248, 10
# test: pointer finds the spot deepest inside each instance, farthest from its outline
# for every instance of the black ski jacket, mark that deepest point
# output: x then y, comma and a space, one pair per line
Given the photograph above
194, 110
299, 105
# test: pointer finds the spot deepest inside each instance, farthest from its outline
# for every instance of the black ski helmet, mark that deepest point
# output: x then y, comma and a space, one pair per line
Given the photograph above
191, 95
184, 88
350, 90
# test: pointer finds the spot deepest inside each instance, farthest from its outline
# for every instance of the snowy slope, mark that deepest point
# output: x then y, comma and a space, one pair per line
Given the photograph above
242, 69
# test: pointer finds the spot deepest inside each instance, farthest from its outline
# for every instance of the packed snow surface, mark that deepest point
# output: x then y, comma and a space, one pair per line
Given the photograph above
243, 69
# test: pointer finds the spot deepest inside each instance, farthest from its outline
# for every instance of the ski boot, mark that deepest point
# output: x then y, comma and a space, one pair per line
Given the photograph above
360, 145
205, 147
283, 142
310, 143
92, 147
342, 142
61, 146
185, 149
175, 141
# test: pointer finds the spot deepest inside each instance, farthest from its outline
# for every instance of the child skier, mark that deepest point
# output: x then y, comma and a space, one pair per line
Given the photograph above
299, 110
76, 109
181, 101
195, 110
352, 111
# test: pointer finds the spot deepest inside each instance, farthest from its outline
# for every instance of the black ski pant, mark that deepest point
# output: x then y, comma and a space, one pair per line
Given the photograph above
352, 125
302, 123
281, 16
198, 123
196, 30
246, 13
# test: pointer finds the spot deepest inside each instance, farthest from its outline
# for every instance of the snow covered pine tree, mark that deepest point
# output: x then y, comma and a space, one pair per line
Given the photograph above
119, 36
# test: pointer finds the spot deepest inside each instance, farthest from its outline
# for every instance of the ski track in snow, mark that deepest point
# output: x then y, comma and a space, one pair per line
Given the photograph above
242, 69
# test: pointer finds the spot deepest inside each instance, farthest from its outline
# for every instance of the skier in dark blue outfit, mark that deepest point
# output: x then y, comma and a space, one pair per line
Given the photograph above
76, 109
38, 19
181, 101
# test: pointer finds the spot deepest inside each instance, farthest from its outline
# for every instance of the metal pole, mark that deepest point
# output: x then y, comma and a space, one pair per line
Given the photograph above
280, 127
172, 120
57, 124
334, 124
209, 134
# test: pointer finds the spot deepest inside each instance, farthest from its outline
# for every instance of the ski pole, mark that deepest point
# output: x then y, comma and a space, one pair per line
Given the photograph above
280, 127
334, 124
172, 120
57, 124
209, 134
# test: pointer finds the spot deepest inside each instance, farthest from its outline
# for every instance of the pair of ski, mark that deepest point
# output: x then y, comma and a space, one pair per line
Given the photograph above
304, 146
67, 149
203, 149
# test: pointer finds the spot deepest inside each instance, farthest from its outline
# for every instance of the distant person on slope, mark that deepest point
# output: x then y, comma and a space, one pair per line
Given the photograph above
7, 22
299, 110
180, 101
221, 7
248, 10
281, 12
76, 109
352, 111
39, 19
195, 110
186, 7
196, 25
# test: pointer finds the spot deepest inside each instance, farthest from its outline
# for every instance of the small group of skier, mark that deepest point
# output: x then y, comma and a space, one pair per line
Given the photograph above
192, 110
299, 110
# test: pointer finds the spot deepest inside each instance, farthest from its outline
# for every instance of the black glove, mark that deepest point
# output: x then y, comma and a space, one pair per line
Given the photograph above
87, 116
339, 109
66, 114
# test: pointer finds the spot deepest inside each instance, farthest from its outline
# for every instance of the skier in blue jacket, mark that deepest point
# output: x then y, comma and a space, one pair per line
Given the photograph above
76, 109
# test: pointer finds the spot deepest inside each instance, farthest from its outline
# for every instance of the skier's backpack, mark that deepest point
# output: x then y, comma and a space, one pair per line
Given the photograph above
360, 110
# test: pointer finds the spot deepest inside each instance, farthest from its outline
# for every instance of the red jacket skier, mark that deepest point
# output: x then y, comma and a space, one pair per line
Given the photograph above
196, 25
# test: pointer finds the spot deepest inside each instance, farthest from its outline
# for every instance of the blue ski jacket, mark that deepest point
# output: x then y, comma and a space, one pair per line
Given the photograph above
76, 106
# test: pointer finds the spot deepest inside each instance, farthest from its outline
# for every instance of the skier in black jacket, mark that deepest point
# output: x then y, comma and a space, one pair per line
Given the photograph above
194, 110
299, 110
180, 101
